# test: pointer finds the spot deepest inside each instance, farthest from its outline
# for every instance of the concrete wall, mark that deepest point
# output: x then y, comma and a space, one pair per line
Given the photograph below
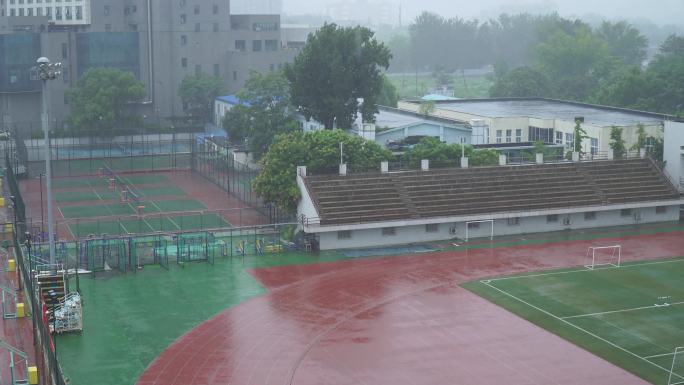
538, 224
674, 152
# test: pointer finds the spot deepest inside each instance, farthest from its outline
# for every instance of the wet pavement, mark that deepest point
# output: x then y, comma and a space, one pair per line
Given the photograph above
395, 320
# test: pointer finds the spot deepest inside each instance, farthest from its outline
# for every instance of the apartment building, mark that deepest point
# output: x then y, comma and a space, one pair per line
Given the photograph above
160, 42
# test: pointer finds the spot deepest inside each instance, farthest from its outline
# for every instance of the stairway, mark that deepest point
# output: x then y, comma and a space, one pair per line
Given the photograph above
55, 283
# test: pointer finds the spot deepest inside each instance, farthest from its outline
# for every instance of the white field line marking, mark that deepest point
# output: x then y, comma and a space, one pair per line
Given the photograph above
656, 306
579, 328
584, 270
659, 355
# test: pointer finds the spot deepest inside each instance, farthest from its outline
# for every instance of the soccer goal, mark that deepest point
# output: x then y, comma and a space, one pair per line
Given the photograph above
603, 256
676, 375
475, 225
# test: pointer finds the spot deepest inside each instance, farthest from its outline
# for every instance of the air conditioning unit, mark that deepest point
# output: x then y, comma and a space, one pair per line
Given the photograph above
453, 230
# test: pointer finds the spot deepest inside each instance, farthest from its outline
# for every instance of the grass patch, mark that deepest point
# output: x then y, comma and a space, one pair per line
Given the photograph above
631, 316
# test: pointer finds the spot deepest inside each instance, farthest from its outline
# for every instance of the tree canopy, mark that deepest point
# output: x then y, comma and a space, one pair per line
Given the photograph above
522, 82
319, 151
337, 66
265, 112
100, 101
442, 154
198, 93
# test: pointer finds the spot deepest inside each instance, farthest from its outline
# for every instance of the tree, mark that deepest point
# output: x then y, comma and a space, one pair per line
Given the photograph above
319, 151
337, 66
617, 144
522, 82
443, 154
673, 46
625, 41
198, 93
442, 76
427, 107
641, 138
579, 135
265, 112
100, 101
389, 96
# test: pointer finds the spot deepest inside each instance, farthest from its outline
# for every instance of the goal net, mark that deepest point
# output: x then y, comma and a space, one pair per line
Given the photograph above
603, 256
473, 227
677, 368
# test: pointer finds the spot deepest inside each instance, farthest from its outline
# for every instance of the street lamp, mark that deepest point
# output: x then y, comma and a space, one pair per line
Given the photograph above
48, 71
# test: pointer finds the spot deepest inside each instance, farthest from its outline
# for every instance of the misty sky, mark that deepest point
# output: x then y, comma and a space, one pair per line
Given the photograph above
659, 11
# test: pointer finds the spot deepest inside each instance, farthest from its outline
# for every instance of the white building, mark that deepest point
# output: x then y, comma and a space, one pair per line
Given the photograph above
65, 12
392, 208
516, 120
673, 153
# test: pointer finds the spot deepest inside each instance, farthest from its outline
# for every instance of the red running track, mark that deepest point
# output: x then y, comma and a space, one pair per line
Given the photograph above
394, 320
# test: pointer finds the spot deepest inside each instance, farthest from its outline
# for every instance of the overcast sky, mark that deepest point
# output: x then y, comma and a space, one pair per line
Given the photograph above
659, 11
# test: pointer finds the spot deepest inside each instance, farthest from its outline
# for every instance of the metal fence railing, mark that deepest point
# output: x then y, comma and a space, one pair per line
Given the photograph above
46, 356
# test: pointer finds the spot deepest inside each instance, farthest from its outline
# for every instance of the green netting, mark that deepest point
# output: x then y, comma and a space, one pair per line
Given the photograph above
69, 183
85, 228
200, 221
85, 195
145, 179
179, 205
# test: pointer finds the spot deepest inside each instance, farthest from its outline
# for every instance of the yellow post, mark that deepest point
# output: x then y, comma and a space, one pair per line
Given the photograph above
2, 200
32, 375
8, 227
20, 313
11, 265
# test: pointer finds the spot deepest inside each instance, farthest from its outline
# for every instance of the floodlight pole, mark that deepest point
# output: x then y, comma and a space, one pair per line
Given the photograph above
48, 71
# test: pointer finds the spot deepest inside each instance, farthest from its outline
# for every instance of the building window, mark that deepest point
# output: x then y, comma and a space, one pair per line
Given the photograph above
513, 221
389, 231
559, 138
217, 70
594, 146
215, 9
256, 45
509, 136
432, 228
184, 40
271, 45
569, 140
184, 62
346, 234
198, 27
590, 216
661, 210
518, 136
105, 11
626, 212
235, 76
552, 218
197, 9
650, 144
473, 225
183, 19
544, 135
499, 133
240, 45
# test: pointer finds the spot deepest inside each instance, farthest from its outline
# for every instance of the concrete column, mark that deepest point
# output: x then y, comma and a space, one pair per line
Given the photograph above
384, 167
575, 156
540, 158
611, 154
425, 165
343, 169
642, 152
301, 170
502, 160
464, 162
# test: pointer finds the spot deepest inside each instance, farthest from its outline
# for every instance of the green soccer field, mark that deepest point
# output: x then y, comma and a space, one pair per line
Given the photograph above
632, 316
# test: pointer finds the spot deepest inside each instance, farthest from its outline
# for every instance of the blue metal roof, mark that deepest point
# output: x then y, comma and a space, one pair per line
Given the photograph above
232, 99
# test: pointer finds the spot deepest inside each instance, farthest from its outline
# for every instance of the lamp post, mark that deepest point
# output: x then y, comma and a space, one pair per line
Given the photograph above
48, 71
42, 210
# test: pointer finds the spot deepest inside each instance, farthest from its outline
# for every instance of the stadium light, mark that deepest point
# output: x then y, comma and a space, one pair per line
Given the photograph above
48, 71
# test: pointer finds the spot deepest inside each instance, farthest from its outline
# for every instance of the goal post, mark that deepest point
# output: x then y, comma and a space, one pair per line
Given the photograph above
676, 376
477, 223
603, 256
